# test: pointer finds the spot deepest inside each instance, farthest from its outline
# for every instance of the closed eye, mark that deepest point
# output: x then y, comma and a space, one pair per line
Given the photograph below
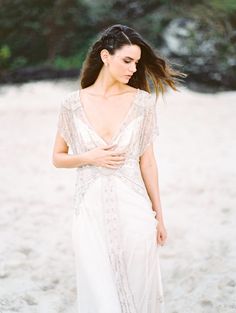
129, 62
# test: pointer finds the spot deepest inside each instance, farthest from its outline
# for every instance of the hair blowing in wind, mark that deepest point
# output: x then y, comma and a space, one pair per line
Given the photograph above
151, 65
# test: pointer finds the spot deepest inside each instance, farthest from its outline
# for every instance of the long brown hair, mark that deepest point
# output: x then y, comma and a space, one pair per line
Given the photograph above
150, 66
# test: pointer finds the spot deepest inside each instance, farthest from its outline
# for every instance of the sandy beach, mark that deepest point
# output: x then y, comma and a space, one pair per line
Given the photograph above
197, 176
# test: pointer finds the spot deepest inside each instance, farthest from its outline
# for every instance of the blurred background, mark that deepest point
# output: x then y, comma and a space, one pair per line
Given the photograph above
49, 39
42, 48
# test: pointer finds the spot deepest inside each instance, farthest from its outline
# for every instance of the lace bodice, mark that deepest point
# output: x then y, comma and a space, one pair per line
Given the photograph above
138, 130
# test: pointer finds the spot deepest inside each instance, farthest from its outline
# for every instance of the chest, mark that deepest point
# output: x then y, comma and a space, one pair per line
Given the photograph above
106, 117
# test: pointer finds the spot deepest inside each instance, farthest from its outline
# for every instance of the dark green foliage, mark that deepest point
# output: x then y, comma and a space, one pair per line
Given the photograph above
37, 31
59, 33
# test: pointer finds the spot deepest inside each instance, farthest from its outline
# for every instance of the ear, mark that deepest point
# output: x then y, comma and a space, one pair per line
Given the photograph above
104, 55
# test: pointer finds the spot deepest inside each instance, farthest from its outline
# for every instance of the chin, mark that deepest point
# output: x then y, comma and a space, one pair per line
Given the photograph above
127, 78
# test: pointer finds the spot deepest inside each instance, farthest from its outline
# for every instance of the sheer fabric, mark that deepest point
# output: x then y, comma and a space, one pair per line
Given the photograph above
114, 227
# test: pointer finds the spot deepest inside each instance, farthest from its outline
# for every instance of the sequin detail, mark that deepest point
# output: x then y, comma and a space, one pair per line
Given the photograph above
138, 130
114, 244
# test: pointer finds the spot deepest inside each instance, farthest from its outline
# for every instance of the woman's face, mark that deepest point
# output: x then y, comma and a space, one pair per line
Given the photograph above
122, 65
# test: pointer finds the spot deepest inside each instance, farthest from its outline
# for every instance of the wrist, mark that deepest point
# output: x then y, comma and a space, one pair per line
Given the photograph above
161, 221
84, 159
159, 216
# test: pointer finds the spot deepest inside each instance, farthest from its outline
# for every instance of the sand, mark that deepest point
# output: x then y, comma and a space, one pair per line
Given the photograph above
197, 177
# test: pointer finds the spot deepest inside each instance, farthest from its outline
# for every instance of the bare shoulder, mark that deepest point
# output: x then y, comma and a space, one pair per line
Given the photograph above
87, 89
132, 89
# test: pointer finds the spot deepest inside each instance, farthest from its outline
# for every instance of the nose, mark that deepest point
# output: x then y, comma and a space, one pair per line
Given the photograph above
133, 67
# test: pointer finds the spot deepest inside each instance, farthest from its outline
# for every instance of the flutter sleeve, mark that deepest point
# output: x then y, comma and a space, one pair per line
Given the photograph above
150, 129
65, 121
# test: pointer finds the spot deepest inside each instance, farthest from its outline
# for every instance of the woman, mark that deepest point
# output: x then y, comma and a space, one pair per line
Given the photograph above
110, 125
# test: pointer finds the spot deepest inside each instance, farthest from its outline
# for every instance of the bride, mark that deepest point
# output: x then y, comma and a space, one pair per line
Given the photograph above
110, 125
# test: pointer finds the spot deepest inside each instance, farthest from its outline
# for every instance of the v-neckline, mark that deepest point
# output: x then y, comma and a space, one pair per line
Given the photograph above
117, 132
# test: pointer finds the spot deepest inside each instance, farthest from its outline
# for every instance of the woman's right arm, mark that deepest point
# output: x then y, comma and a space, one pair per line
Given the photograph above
99, 156
62, 159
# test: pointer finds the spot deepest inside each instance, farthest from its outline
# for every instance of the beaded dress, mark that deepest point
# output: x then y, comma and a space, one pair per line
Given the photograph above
114, 229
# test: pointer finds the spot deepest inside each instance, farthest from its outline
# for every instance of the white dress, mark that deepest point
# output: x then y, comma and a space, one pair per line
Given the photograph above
114, 227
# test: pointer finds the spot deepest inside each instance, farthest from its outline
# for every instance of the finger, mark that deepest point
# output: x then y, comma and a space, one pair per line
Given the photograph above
120, 152
110, 146
160, 237
117, 163
117, 154
118, 158
111, 166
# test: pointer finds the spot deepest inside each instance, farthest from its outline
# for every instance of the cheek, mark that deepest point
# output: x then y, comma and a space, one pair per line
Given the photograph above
120, 67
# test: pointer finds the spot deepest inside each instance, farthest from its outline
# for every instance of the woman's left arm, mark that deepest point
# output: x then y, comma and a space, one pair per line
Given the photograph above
149, 173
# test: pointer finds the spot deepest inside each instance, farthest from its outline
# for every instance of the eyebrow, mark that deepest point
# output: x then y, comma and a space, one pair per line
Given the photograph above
131, 58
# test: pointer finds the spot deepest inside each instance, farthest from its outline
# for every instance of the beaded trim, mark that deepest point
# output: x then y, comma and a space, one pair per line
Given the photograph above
114, 244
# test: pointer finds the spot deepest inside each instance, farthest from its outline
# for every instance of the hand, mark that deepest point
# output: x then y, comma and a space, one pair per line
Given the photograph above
106, 157
161, 233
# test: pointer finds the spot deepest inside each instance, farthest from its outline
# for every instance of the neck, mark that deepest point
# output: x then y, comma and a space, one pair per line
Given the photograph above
106, 86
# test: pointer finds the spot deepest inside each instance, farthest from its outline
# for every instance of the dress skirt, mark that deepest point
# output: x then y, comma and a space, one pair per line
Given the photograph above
116, 253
